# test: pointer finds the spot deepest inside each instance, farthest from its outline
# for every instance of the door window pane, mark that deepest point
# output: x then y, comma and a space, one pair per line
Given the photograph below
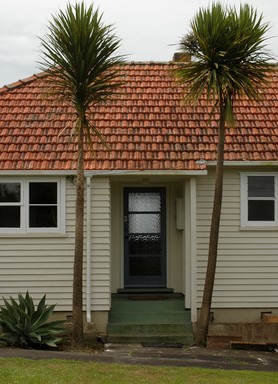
144, 202
144, 223
145, 244
145, 266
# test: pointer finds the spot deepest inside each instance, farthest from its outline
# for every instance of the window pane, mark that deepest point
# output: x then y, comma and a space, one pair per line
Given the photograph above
260, 186
43, 217
144, 201
10, 217
43, 193
9, 192
261, 210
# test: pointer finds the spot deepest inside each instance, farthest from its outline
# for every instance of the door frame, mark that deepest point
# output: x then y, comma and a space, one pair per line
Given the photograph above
150, 282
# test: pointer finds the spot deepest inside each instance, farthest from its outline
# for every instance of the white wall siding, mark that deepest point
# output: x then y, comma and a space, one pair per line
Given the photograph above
247, 266
100, 247
41, 264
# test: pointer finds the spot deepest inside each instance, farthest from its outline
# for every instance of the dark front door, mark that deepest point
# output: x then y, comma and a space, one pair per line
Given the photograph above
145, 237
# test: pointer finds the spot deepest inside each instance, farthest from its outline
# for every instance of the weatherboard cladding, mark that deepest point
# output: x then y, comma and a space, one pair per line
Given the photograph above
41, 263
247, 265
147, 126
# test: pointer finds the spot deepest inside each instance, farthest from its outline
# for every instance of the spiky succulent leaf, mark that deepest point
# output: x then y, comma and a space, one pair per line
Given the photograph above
40, 308
43, 317
24, 325
29, 304
53, 342
9, 338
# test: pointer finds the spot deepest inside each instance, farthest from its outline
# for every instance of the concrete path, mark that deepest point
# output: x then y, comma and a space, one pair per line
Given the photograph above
135, 354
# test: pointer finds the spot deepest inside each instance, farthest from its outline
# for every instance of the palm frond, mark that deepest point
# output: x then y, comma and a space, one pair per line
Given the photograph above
230, 56
79, 52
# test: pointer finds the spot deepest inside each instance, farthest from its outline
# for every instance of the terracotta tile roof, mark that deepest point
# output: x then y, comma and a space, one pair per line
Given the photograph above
147, 128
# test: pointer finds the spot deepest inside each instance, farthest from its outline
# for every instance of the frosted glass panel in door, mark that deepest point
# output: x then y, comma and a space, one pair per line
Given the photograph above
147, 202
144, 223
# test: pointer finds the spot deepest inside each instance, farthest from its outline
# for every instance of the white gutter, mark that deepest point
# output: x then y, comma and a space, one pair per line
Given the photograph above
246, 163
148, 173
104, 173
122, 172
88, 250
25, 172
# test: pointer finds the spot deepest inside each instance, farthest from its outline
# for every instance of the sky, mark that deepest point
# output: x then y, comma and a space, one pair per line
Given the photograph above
150, 30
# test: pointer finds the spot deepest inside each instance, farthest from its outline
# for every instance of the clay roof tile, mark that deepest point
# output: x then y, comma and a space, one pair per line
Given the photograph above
146, 127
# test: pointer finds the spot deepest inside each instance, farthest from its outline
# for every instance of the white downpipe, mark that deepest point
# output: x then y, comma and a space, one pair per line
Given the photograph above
88, 250
193, 249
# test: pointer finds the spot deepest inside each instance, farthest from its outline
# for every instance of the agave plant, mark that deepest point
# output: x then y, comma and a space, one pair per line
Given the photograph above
23, 325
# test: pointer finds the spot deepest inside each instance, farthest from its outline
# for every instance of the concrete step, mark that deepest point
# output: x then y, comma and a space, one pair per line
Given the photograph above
152, 317
121, 305
148, 329
176, 317
184, 339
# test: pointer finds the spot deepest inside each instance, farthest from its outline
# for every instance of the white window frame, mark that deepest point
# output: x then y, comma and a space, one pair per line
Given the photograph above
244, 201
24, 205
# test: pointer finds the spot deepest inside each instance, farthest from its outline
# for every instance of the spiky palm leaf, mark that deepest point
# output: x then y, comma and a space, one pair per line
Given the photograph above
79, 55
229, 56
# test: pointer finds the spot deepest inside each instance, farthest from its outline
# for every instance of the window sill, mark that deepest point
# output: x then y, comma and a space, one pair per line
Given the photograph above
259, 228
33, 235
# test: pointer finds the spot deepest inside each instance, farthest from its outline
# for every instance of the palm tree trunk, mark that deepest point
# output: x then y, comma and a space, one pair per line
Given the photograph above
203, 321
77, 307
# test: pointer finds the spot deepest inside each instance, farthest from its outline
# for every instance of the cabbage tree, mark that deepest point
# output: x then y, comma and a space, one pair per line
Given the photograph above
79, 52
229, 59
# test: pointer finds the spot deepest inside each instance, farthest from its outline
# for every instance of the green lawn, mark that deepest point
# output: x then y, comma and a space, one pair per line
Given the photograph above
23, 371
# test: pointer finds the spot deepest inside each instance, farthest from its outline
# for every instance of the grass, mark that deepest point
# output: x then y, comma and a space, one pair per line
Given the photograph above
18, 371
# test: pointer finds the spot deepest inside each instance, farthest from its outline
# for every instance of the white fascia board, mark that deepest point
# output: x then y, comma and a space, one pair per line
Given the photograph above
147, 173
246, 163
36, 173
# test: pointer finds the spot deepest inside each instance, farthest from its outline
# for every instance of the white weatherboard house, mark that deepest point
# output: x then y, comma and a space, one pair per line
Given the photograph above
148, 200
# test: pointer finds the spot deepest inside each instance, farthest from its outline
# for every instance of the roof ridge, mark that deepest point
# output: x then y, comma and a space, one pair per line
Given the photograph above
39, 75
148, 62
20, 82
35, 76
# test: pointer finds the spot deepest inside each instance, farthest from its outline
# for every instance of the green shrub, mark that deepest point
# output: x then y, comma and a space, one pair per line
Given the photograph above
25, 326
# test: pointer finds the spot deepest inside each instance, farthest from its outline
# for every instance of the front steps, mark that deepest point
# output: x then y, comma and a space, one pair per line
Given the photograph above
149, 318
